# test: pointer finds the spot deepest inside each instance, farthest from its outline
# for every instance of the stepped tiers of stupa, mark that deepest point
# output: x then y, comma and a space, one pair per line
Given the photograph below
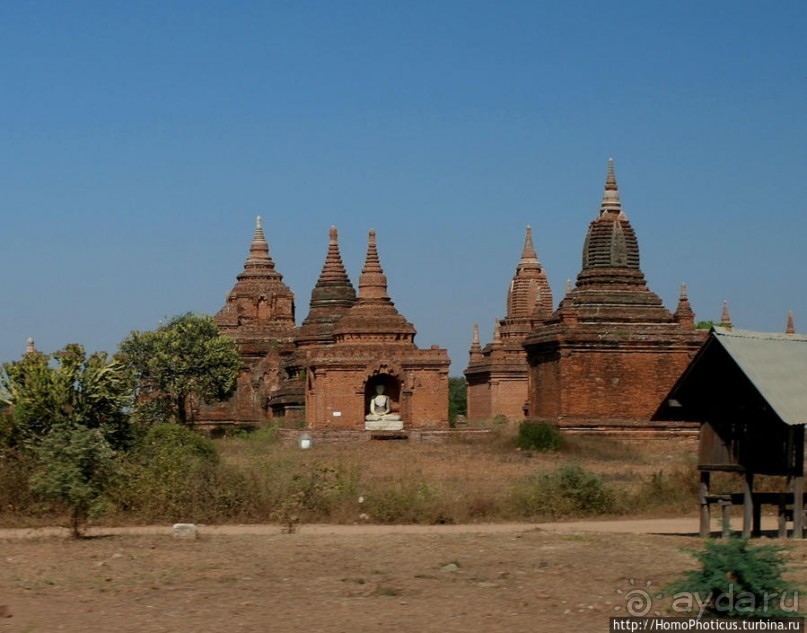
352, 365
607, 355
604, 357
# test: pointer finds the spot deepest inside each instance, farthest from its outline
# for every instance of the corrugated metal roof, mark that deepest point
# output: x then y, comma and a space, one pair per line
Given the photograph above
776, 364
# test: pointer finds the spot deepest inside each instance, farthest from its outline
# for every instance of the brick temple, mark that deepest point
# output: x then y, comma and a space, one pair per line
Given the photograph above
351, 365
259, 315
497, 374
611, 351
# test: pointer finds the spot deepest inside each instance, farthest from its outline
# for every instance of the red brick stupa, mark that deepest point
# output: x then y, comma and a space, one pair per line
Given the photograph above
259, 315
363, 370
497, 374
611, 351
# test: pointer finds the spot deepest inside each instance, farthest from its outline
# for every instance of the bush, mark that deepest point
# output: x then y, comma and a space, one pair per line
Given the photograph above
567, 491
169, 475
76, 465
538, 436
737, 581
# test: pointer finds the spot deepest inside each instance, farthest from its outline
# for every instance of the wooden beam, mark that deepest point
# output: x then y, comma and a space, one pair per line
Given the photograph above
748, 504
705, 526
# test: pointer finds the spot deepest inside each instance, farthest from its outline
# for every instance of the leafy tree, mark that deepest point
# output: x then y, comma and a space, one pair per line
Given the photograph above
185, 357
76, 465
457, 398
67, 389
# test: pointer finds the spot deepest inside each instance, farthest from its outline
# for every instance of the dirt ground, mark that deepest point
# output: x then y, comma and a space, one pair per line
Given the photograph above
560, 577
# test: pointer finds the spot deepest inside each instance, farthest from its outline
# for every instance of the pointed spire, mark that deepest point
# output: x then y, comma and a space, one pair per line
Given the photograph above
259, 259
333, 271
791, 325
373, 282
683, 313
30, 348
568, 287
725, 317
528, 254
497, 332
476, 347
610, 199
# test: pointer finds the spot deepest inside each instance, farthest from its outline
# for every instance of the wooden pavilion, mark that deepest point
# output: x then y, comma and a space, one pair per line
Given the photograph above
748, 391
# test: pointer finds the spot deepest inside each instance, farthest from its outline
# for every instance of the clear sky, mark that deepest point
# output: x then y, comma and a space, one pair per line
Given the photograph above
139, 140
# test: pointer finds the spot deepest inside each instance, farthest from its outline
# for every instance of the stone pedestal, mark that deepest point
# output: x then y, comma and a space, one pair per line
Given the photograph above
383, 425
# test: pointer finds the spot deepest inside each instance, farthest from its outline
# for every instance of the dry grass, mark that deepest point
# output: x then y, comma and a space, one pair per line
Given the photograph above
260, 480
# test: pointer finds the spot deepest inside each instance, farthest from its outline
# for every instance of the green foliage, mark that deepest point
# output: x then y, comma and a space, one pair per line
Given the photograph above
76, 464
569, 490
166, 474
69, 389
705, 325
185, 357
457, 398
737, 581
538, 436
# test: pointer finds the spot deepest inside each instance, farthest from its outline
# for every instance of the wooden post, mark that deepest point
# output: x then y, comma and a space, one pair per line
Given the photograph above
748, 504
798, 507
726, 506
705, 527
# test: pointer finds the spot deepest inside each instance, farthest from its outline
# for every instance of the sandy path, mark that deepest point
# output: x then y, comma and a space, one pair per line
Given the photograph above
679, 526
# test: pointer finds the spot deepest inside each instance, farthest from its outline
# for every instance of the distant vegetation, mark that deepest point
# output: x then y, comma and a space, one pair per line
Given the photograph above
81, 439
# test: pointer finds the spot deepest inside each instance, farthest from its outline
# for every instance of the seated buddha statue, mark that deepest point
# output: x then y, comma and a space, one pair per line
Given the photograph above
380, 407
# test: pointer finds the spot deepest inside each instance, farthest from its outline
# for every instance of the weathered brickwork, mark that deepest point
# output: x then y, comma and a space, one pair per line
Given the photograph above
259, 315
371, 344
497, 375
325, 372
611, 351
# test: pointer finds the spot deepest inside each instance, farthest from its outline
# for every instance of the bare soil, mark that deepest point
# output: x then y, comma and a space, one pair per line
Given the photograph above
506, 577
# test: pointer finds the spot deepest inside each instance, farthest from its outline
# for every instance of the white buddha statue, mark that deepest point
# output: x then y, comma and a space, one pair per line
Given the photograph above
380, 407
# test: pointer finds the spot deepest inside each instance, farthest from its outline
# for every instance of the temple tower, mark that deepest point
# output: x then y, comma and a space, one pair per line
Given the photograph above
497, 374
259, 315
611, 350
369, 351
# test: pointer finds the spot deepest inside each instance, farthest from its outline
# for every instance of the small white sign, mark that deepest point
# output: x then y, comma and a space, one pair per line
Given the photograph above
337, 414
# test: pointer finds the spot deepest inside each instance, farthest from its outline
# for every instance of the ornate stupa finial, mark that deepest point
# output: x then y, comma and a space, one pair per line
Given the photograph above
259, 259
610, 199
683, 313
725, 317
476, 347
372, 282
791, 324
569, 287
30, 347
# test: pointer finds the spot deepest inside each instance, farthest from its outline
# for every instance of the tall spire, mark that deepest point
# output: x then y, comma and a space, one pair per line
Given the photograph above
610, 198
725, 317
569, 287
529, 297
791, 325
476, 347
683, 313
30, 347
333, 271
372, 282
528, 254
259, 262
331, 297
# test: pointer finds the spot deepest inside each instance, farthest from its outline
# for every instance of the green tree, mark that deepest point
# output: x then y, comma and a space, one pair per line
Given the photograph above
185, 357
76, 465
67, 388
457, 398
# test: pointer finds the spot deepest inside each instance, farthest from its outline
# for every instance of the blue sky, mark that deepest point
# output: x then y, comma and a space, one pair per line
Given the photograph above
139, 140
